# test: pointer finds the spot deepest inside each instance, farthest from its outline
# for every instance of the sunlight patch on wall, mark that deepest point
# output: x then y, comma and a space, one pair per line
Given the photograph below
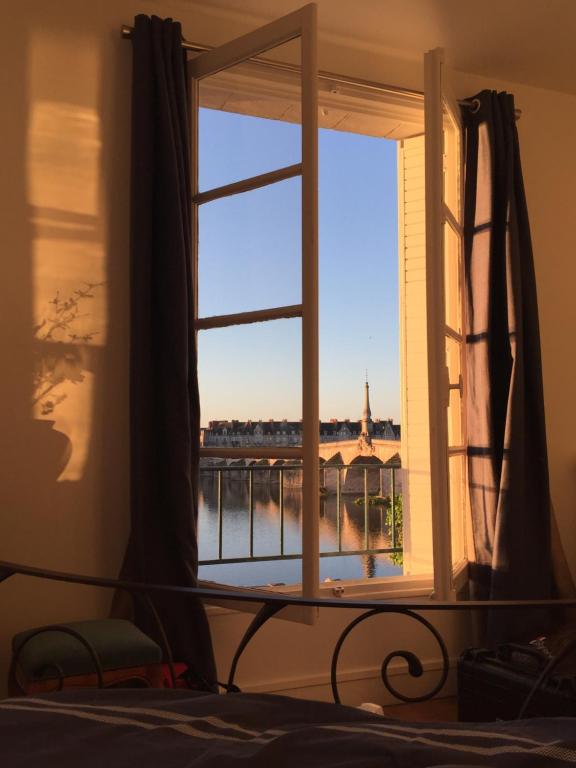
69, 270
64, 157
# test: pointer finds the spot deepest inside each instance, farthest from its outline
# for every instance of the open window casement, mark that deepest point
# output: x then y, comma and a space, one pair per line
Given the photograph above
431, 266
431, 280
300, 25
445, 324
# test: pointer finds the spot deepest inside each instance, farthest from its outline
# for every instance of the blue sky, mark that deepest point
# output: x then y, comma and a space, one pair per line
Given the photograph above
249, 258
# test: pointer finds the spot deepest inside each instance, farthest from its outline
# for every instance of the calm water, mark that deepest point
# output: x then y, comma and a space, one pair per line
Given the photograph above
236, 533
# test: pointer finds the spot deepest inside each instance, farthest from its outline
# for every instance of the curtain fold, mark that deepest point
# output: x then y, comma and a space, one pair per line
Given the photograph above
164, 401
507, 453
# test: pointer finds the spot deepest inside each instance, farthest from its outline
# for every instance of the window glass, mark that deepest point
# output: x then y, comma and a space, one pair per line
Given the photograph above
249, 250
249, 259
457, 468
451, 164
455, 431
248, 372
452, 279
453, 363
233, 144
249, 517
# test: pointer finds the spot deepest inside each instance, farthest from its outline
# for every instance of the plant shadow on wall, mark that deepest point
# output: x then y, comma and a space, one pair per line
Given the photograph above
60, 352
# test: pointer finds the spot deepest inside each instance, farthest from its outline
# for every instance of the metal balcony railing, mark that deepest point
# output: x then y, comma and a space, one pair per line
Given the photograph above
389, 498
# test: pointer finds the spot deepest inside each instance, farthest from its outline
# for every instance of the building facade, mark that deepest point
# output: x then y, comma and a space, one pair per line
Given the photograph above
241, 434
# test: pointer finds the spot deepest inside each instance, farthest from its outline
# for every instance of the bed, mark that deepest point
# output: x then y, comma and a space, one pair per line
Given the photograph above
154, 728
180, 729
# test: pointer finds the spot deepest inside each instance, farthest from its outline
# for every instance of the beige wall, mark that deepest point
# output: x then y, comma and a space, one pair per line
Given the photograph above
64, 199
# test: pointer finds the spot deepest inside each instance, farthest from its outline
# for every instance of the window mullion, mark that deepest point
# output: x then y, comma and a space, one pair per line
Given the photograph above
247, 185
452, 334
452, 221
245, 318
310, 347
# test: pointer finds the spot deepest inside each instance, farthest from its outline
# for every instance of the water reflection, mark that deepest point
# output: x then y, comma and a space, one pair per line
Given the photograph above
270, 538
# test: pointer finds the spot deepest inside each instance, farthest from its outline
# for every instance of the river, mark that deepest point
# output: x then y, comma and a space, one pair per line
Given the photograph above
266, 524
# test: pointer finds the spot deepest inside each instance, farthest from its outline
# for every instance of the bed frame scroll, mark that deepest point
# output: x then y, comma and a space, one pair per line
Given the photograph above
272, 604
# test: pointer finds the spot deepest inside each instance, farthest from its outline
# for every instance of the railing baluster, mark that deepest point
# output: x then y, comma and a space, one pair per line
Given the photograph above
393, 503
281, 501
339, 551
251, 509
220, 521
365, 507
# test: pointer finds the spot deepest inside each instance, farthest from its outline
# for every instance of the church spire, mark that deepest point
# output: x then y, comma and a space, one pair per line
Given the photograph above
367, 426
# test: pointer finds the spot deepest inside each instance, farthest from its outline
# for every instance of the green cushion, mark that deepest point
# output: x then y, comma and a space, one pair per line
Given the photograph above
117, 643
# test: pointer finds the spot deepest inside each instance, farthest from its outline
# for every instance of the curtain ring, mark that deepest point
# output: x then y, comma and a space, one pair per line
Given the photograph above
475, 106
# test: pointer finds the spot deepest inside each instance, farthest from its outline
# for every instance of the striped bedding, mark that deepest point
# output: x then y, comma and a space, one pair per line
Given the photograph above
178, 729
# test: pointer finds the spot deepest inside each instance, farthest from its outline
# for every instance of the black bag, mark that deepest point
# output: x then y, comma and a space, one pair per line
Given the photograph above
493, 685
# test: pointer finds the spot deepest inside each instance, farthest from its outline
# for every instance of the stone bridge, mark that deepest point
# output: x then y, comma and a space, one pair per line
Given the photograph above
374, 452
362, 451
347, 451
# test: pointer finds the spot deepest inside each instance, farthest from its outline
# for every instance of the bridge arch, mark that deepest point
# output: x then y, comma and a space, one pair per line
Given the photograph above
355, 478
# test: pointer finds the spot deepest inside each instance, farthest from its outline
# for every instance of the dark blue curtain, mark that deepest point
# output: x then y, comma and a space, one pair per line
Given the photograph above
164, 402
507, 454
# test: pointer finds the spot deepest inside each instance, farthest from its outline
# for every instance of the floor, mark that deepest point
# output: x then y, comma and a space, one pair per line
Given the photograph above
435, 711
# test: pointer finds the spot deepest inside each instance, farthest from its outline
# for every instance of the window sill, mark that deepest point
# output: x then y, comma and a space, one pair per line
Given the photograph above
385, 589
393, 587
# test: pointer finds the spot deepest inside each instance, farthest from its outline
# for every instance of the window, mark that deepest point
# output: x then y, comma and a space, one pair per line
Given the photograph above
302, 25
432, 323
431, 316
445, 310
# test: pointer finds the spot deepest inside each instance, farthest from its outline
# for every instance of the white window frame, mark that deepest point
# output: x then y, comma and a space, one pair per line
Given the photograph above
303, 23
439, 107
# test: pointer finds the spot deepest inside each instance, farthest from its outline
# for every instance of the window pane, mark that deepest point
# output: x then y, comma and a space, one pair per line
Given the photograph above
452, 164
249, 521
249, 250
358, 275
453, 359
248, 375
234, 141
357, 514
452, 279
250, 510
455, 431
453, 363
457, 468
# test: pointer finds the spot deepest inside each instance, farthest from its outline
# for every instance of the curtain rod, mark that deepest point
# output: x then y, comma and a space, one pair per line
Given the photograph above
369, 85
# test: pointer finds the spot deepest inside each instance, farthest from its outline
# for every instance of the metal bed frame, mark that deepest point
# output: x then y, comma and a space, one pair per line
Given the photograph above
272, 604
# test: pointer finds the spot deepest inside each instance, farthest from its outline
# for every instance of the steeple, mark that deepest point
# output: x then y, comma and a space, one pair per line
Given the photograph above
367, 426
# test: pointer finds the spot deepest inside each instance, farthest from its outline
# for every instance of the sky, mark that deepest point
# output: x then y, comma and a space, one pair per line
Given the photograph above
249, 258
